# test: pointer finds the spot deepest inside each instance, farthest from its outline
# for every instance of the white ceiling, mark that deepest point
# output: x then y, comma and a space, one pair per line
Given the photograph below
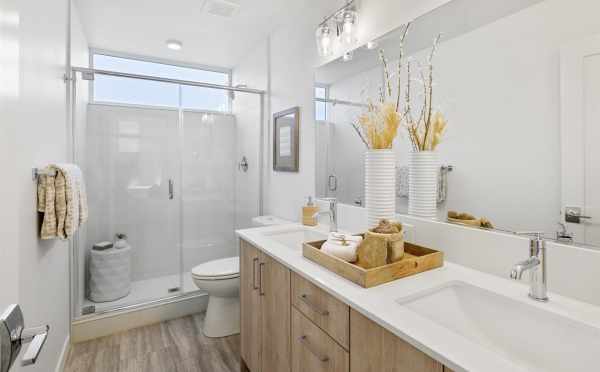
141, 27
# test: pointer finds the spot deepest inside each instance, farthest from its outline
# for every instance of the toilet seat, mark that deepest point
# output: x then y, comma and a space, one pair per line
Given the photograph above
222, 269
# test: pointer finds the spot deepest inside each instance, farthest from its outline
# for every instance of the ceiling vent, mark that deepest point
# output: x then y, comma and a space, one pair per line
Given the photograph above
222, 8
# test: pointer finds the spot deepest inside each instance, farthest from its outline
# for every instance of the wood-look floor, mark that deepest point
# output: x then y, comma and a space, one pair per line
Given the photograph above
173, 346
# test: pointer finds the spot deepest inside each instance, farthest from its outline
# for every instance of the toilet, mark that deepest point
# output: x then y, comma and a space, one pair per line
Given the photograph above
221, 280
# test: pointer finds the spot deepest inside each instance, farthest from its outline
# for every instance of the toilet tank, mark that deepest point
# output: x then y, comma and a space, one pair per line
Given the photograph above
261, 221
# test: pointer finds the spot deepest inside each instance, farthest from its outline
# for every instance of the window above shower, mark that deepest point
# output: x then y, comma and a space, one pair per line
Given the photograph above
129, 91
321, 91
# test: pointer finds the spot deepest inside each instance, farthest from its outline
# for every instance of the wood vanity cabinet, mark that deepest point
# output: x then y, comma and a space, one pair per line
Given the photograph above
375, 349
265, 312
314, 350
289, 324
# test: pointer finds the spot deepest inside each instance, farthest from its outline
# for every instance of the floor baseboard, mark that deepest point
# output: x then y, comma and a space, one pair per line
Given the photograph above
60, 366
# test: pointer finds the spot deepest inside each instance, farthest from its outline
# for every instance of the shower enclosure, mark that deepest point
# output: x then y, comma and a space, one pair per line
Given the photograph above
173, 176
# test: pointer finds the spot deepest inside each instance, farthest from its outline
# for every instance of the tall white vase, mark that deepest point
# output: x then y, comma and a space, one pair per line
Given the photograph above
380, 185
422, 184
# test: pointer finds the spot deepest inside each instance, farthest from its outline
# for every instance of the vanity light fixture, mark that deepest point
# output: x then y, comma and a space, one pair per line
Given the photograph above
174, 44
345, 21
324, 40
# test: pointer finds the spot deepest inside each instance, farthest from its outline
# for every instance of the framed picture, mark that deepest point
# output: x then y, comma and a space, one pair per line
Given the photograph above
286, 140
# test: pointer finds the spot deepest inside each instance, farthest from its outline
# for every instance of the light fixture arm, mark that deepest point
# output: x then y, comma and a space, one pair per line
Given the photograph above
348, 5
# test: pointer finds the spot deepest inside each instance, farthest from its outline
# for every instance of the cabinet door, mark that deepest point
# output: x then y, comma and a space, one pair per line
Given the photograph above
275, 315
374, 349
250, 306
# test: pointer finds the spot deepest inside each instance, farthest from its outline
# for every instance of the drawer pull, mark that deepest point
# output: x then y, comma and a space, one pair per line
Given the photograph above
315, 308
254, 262
304, 341
261, 291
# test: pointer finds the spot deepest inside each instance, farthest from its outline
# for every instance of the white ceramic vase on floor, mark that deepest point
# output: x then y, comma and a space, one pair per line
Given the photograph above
422, 184
380, 185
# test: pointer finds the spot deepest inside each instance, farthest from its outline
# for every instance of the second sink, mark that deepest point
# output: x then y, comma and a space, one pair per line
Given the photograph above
294, 237
526, 335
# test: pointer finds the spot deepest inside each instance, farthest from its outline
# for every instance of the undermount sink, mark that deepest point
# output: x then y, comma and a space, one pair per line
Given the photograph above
524, 334
293, 238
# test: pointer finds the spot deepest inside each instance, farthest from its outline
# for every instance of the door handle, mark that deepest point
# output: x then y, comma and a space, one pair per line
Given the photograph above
261, 291
13, 335
254, 262
37, 336
171, 183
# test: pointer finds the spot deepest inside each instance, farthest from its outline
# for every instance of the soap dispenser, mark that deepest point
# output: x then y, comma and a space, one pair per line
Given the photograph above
308, 213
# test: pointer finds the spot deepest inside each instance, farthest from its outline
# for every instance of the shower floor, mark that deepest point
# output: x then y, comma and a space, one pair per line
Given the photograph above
147, 290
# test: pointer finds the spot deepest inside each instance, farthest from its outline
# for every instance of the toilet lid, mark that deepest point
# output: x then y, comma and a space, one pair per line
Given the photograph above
224, 268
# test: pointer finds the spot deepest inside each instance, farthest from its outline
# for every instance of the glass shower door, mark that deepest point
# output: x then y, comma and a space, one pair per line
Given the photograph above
132, 169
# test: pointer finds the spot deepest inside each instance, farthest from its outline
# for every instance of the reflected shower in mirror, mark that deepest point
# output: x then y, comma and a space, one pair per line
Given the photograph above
516, 82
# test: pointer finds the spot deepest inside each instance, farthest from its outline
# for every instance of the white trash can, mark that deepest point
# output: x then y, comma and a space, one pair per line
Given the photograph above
110, 274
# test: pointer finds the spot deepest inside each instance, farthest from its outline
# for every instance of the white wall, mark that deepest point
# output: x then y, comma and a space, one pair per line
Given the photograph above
33, 101
247, 110
499, 88
291, 78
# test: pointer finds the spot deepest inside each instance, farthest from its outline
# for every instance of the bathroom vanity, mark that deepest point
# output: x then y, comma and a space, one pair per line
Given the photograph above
291, 324
298, 316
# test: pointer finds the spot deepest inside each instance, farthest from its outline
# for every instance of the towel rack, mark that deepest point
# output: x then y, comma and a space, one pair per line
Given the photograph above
36, 172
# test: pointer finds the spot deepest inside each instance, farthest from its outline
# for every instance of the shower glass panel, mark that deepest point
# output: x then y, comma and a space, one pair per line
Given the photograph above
131, 166
167, 177
208, 189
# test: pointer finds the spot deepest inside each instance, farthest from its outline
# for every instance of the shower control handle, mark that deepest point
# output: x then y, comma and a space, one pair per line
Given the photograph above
171, 183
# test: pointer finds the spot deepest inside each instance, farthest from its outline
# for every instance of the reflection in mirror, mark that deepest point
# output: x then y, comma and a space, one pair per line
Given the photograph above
516, 81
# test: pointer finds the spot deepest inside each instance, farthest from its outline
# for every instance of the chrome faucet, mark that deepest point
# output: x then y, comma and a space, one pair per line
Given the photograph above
332, 212
536, 265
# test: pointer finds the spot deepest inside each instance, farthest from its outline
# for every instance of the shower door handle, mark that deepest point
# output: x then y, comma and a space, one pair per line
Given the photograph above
170, 189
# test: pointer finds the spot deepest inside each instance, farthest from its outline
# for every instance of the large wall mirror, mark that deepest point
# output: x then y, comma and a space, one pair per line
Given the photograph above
519, 84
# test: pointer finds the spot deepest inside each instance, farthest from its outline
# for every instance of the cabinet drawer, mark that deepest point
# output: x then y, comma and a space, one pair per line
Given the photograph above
313, 350
329, 313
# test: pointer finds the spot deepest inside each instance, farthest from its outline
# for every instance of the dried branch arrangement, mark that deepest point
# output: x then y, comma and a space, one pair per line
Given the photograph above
378, 126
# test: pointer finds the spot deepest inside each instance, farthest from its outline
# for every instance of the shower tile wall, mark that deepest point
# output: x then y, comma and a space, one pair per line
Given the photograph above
131, 154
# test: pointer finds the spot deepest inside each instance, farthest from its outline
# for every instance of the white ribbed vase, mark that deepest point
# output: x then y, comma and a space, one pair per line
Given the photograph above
422, 184
380, 185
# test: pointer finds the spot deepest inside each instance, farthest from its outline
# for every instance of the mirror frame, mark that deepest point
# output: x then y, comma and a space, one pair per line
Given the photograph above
278, 162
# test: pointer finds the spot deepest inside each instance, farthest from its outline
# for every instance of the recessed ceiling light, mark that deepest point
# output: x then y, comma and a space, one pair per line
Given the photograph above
174, 44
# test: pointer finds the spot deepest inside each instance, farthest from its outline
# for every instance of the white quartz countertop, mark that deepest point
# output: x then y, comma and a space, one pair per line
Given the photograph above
379, 303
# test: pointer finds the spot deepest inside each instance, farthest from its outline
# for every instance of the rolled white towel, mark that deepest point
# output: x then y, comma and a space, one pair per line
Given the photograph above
335, 246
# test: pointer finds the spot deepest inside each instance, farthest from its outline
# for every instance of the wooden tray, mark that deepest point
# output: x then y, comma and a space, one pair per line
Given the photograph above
416, 260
